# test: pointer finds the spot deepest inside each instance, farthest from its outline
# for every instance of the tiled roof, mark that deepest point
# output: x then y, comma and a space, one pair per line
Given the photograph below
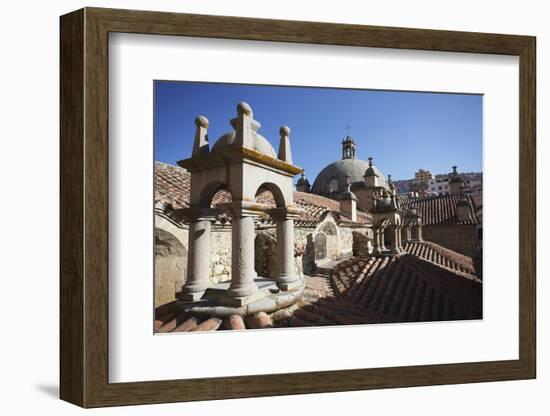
317, 206
429, 283
172, 323
440, 210
173, 184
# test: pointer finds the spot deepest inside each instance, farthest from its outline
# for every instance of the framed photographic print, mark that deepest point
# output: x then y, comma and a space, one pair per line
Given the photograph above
255, 207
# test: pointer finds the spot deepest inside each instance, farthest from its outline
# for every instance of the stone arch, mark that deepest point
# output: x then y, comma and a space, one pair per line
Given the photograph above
209, 190
330, 228
170, 261
275, 190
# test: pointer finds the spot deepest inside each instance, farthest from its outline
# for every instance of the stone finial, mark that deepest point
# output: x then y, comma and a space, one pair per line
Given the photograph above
202, 121
348, 183
454, 170
243, 126
200, 145
370, 161
284, 131
285, 154
244, 108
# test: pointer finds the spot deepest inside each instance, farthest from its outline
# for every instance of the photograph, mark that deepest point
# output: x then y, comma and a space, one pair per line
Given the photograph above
282, 206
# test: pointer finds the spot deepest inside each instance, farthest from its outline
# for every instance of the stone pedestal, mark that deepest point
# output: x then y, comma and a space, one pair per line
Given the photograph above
198, 260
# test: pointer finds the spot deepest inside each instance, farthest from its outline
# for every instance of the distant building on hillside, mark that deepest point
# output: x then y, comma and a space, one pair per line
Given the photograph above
423, 175
441, 185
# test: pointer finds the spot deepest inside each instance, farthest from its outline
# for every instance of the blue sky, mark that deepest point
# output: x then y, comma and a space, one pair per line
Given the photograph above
402, 131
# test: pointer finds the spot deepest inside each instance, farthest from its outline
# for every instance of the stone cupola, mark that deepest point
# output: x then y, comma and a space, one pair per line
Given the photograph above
348, 148
303, 184
242, 163
372, 179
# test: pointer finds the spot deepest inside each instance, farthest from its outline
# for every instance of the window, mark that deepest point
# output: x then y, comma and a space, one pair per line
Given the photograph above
333, 185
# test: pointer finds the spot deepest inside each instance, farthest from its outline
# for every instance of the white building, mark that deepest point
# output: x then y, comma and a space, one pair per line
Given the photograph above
439, 185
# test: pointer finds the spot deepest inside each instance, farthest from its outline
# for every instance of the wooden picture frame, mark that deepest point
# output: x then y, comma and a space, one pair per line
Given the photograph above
84, 207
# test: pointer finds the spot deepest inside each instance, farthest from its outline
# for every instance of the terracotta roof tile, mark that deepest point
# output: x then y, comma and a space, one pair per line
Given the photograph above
440, 210
429, 283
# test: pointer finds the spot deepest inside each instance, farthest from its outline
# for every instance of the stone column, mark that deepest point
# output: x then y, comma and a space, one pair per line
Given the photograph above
408, 235
198, 258
383, 239
419, 232
377, 241
242, 256
395, 240
400, 237
286, 276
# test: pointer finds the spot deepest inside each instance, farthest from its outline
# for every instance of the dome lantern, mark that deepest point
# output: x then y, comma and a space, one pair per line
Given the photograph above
348, 148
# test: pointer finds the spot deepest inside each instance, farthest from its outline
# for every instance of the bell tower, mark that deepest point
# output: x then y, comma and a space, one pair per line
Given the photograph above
348, 146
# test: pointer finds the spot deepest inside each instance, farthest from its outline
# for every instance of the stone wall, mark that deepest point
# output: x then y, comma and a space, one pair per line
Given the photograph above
362, 244
304, 237
346, 243
266, 256
265, 250
220, 254
460, 238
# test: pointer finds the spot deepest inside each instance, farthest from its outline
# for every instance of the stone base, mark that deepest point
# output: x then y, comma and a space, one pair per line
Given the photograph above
291, 285
225, 300
191, 297
270, 300
218, 293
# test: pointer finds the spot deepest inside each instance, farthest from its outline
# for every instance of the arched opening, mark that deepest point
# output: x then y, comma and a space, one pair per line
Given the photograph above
220, 238
270, 194
332, 185
332, 250
320, 242
214, 193
415, 232
170, 267
265, 245
388, 237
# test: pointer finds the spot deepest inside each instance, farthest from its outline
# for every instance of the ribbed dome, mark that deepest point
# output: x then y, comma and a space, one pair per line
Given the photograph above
354, 168
260, 144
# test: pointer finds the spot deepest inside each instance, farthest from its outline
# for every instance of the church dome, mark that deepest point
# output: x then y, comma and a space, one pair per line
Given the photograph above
259, 144
333, 177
